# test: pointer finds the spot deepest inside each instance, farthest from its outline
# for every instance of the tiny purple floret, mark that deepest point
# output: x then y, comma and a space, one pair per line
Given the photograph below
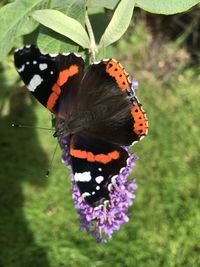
134, 85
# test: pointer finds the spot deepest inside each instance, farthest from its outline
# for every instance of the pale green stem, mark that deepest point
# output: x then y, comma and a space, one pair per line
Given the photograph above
93, 47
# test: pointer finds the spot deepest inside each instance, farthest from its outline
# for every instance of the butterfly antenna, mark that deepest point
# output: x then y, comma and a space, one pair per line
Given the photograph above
52, 159
40, 128
32, 127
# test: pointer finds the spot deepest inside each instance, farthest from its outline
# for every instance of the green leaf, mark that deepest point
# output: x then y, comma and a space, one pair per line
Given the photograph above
53, 42
53, 121
77, 11
15, 22
119, 23
111, 4
61, 4
166, 7
72, 8
63, 24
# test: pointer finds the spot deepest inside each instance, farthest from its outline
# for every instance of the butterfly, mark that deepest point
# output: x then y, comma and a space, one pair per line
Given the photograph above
95, 106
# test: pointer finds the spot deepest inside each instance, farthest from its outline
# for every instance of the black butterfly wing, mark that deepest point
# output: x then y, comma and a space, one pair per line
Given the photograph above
95, 163
106, 110
53, 79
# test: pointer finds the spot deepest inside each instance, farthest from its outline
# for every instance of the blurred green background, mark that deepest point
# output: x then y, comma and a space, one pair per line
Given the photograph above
38, 223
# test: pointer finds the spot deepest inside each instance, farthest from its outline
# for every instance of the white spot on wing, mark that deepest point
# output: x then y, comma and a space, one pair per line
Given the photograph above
109, 187
86, 194
43, 66
128, 161
18, 49
113, 179
82, 177
135, 142
53, 55
27, 46
21, 69
99, 179
34, 82
122, 169
27, 63
93, 193
51, 72
77, 55
97, 187
100, 169
34, 62
98, 207
106, 202
96, 62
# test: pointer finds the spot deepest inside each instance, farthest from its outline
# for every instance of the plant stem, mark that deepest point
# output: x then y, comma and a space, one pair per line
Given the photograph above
93, 47
49, 3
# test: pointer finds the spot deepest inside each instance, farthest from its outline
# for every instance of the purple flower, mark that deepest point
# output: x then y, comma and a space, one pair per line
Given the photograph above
105, 219
134, 85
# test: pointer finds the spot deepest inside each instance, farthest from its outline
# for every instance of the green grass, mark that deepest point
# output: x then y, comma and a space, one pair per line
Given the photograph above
38, 223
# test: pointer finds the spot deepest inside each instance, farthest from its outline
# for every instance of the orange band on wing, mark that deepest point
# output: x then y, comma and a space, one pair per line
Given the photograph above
140, 121
53, 96
52, 100
89, 156
114, 69
56, 89
62, 79
65, 74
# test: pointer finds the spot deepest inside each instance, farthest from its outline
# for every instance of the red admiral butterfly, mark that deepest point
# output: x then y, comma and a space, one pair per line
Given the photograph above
97, 108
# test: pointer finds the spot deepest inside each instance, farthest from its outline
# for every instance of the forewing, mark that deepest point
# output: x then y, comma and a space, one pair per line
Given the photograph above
112, 106
53, 79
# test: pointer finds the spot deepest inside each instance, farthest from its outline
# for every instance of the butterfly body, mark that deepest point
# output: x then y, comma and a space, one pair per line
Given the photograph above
96, 107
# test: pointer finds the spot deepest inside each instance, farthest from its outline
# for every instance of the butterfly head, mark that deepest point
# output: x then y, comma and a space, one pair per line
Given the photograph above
63, 129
